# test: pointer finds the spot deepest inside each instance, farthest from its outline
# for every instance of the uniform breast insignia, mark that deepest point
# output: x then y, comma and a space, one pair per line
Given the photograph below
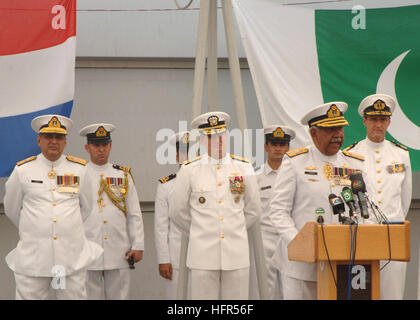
168, 178
296, 152
76, 160
237, 186
26, 161
396, 167
328, 171
187, 162
239, 158
399, 145
353, 155
68, 183
342, 175
116, 190
351, 146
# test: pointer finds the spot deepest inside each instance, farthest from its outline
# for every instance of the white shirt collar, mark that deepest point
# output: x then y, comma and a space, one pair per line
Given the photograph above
98, 167
52, 163
268, 169
322, 156
375, 145
209, 160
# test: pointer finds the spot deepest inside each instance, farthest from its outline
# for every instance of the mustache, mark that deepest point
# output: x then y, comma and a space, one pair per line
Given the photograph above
338, 140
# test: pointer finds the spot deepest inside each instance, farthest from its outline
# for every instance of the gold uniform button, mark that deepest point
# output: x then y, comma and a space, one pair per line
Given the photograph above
222, 236
53, 189
105, 221
54, 204
55, 237
378, 161
221, 218
378, 171
379, 191
220, 201
219, 184
55, 220
379, 181
377, 150
379, 201
106, 238
218, 167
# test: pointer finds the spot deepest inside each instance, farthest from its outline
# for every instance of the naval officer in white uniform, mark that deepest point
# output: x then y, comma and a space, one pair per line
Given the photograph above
167, 235
306, 178
277, 143
389, 181
45, 201
115, 222
215, 200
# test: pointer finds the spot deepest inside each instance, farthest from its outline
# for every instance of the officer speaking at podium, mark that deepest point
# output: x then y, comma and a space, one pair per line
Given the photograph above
306, 178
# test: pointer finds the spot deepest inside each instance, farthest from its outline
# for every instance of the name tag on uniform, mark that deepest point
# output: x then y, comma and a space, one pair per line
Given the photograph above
37, 181
265, 188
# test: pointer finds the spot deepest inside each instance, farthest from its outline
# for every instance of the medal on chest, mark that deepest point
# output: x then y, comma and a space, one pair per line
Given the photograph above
68, 183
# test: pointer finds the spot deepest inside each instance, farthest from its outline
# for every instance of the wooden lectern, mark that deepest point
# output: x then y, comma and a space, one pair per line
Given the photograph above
329, 246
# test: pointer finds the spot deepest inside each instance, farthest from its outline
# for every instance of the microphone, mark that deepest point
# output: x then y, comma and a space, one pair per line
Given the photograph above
363, 205
339, 208
358, 187
319, 215
347, 195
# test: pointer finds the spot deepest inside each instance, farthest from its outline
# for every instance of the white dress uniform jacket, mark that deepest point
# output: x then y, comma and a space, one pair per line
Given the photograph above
49, 220
266, 178
300, 188
391, 190
167, 235
215, 218
109, 227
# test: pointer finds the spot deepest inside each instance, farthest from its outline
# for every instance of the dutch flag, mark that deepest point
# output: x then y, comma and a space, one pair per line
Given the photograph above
37, 66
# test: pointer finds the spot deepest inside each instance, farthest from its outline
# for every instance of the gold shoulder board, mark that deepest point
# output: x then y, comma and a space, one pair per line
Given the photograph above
351, 146
296, 152
26, 160
76, 160
125, 169
116, 166
191, 161
354, 155
239, 158
399, 145
168, 178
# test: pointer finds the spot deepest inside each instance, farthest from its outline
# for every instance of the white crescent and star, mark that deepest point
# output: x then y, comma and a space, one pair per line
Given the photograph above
401, 128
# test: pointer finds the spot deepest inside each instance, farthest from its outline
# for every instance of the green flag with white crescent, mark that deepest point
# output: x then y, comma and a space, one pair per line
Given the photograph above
303, 56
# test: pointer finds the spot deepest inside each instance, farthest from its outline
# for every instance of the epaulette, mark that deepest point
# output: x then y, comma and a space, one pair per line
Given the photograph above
186, 162
399, 145
26, 160
351, 146
125, 169
296, 152
168, 178
76, 160
354, 155
118, 167
239, 158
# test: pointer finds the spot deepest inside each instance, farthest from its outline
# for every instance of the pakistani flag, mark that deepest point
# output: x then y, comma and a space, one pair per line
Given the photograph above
304, 55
